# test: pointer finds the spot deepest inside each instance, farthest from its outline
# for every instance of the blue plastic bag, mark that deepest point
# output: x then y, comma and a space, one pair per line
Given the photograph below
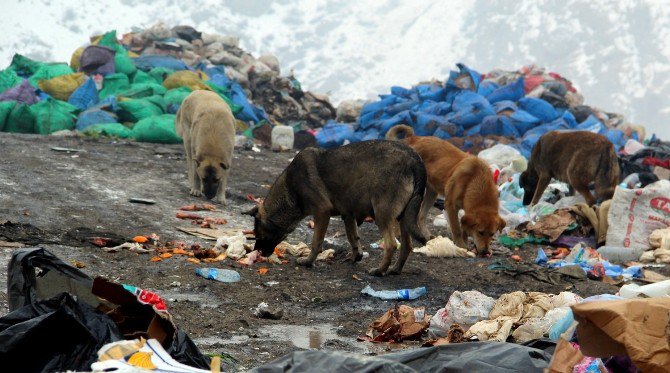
431, 92
538, 108
400, 118
91, 117
513, 92
523, 121
499, 125
592, 124
401, 92
85, 96
334, 134
487, 87
433, 108
449, 130
427, 124
469, 109
456, 78
148, 62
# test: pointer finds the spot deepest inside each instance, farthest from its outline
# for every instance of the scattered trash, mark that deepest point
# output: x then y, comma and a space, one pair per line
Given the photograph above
263, 270
402, 294
221, 275
398, 324
263, 311
65, 150
463, 308
198, 207
443, 247
142, 201
133, 247
655, 290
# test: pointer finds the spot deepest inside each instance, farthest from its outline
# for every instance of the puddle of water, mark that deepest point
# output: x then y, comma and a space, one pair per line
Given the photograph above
301, 336
211, 341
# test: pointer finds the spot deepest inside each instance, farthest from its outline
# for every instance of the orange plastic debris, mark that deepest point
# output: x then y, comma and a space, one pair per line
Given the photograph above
279, 253
181, 252
263, 270
156, 259
516, 258
166, 255
193, 260
140, 239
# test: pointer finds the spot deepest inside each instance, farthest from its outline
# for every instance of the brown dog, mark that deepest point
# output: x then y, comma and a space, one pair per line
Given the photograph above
577, 158
207, 125
381, 179
466, 183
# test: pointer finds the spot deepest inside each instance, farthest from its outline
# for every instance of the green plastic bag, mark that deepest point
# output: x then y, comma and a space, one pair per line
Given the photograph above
124, 64
53, 115
140, 90
113, 84
49, 71
143, 77
177, 95
158, 129
24, 65
109, 129
134, 110
508, 241
160, 73
223, 94
109, 40
5, 109
20, 120
8, 79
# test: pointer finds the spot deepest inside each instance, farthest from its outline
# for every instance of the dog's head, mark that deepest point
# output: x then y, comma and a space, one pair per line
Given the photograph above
528, 181
482, 228
210, 172
268, 234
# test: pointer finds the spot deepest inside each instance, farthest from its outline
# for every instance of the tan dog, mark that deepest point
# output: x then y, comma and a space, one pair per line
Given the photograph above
207, 125
466, 183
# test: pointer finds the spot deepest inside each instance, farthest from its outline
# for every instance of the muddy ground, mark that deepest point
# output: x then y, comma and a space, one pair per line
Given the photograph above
52, 199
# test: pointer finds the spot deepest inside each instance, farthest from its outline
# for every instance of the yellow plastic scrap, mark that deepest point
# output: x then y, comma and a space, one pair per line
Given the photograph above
61, 87
74, 60
185, 78
142, 359
119, 350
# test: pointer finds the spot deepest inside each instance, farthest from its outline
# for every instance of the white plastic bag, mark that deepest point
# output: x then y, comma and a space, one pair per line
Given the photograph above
463, 308
235, 246
538, 327
500, 155
656, 290
636, 213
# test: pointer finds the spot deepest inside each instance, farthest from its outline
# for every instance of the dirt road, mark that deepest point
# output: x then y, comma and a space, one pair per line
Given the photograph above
56, 199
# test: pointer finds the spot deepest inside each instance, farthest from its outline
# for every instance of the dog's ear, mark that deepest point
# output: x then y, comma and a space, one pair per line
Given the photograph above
501, 224
252, 212
468, 221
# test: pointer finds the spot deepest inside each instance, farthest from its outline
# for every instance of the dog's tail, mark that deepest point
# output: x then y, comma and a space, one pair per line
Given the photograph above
608, 174
399, 132
409, 219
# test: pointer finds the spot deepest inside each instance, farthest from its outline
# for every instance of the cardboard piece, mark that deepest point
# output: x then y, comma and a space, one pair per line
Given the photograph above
212, 233
638, 328
551, 226
398, 324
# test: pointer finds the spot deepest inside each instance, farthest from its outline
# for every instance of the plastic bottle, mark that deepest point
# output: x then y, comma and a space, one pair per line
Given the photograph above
401, 294
615, 254
221, 275
282, 138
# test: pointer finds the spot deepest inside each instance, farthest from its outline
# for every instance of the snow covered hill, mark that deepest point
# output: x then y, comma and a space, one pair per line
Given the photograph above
617, 53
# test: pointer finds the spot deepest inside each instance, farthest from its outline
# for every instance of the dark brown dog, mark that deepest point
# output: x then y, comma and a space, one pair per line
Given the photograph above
466, 183
381, 179
577, 158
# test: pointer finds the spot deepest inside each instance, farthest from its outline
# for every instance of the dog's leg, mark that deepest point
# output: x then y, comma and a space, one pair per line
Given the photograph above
584, 191
221, 192
193, 178
320, 227
455, 225
389, 247
354, 240
405, 249
542, 183
429, 199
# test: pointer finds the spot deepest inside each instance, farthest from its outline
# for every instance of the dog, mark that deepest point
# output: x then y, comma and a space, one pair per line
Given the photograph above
207, 125
384, 180
466, 183
577, 158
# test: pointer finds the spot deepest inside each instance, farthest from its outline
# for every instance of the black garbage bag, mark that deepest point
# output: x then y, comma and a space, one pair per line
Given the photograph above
54, 335
61, 314
461, 357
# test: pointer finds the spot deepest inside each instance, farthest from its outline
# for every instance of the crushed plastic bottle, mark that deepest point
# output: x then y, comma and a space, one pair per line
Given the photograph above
401, 294
221, 275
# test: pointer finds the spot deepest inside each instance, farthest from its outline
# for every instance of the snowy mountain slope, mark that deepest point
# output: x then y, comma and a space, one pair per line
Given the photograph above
617, 53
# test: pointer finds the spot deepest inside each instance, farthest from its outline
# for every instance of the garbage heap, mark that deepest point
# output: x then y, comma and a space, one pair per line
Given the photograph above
132, 87
514, 107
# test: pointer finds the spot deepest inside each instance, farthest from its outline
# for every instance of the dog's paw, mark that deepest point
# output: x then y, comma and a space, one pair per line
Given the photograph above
221, 200
354, 258
196, 193
394, 271
376, 272
305, 262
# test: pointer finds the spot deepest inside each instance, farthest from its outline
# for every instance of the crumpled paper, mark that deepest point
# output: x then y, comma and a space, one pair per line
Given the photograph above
443, 247
397, 324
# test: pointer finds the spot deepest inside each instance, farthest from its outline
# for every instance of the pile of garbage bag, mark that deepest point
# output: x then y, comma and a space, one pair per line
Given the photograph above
519, 105
132, 87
